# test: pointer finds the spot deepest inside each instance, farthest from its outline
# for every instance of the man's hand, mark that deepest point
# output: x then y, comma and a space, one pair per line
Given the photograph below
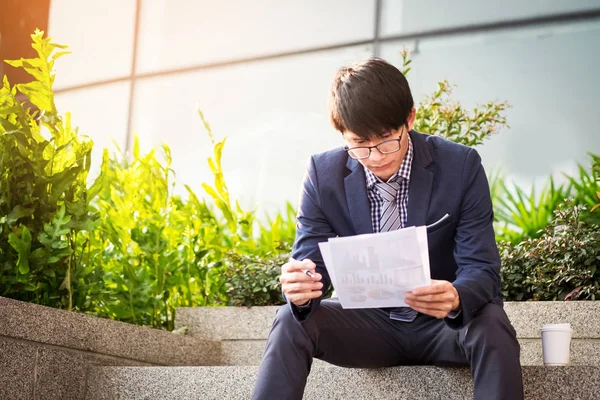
297, 286
437, 299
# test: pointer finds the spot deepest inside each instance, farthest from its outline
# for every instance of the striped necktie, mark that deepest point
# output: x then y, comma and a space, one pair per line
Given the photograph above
390, 216
390, 221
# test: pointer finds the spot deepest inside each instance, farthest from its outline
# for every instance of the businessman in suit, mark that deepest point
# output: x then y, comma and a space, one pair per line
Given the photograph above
387, 177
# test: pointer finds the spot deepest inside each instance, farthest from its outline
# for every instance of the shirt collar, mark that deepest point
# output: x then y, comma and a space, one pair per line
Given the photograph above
403, 172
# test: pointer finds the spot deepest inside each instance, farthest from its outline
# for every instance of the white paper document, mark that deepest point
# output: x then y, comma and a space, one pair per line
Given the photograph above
376, 270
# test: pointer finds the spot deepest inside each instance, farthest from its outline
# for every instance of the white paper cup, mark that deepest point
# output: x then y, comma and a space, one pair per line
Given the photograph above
556, 344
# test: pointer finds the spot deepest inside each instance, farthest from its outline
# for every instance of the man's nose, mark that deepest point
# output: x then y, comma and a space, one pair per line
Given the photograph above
376, 154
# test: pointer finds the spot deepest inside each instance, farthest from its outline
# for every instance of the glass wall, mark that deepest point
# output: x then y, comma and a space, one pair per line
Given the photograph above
100, 38
548, 75
260, 71
423, 16
178, 34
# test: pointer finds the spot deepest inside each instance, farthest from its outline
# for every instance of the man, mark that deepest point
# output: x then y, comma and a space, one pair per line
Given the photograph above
387, 177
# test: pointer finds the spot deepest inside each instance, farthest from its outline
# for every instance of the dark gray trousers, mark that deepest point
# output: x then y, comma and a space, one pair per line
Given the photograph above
368, 338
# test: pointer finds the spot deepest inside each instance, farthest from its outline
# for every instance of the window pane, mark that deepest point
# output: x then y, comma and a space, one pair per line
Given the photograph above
178, 33
550, 77
101, 114
274, 114
99, 35
410, 16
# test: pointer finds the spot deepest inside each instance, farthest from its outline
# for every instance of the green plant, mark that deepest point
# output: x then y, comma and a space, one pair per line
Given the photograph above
586, 186
279, 232
254, 280
160, 251
438, 114
562, 264
523, 215
596, 169
44, 165
126, 248
151, 245
239, 223
495, 182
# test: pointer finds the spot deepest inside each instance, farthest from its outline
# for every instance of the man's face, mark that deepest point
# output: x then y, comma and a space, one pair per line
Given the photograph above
382, 165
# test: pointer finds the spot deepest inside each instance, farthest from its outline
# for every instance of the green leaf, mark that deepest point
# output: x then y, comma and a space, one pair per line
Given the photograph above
19, 212
61, 182
38, 94
22, 245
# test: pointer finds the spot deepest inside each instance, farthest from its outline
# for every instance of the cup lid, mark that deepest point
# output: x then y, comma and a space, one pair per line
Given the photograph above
557, 327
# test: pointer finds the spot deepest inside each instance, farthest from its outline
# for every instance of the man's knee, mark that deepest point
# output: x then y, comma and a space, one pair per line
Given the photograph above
490, 327
285, 329
319, 317
284, 317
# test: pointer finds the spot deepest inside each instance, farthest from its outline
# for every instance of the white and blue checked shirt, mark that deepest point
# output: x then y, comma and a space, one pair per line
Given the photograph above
402, 176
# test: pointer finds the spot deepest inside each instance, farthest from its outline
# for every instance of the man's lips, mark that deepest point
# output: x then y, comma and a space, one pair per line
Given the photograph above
381, 166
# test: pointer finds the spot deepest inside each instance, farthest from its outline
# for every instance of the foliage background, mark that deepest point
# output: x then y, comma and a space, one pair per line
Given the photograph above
124, 247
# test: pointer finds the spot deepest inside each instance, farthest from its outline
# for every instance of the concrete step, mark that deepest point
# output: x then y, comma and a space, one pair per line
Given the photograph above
583, 352
243, 331
226, 323
254, 323
548, 383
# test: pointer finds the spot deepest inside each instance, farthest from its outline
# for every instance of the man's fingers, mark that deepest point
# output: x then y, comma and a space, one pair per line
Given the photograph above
301, 287
431, 298
292, 277
301, 298
434, 288
431, 311
298, 266
438, 306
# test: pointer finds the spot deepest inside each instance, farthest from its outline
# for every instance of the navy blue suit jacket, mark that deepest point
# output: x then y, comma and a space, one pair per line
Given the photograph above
445, 178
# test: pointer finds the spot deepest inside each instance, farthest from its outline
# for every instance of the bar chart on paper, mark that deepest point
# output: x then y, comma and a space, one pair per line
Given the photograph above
377, 270
356, 278
396, 278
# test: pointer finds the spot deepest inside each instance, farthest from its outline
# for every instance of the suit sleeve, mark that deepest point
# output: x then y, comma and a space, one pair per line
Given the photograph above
478, 275
312, 227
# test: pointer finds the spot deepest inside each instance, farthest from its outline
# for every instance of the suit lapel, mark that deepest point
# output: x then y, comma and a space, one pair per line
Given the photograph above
419, 191
421, 181
356, 197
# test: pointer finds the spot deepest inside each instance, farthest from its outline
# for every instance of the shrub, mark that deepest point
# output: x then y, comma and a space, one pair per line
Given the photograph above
254, 280
125, 248
44, 213
562, 264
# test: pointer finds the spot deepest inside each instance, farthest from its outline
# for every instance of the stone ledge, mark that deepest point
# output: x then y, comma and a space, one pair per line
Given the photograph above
583, 352
45, 325
546, 383
243, 323
247, 352
528, 317
230, 323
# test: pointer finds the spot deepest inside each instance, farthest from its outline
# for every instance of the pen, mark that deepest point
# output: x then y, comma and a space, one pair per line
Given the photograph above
307, 272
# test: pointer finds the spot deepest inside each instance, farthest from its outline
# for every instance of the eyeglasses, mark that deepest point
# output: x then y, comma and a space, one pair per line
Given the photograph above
385, 147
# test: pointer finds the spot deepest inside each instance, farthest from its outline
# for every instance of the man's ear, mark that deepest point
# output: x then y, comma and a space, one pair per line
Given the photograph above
411, 119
